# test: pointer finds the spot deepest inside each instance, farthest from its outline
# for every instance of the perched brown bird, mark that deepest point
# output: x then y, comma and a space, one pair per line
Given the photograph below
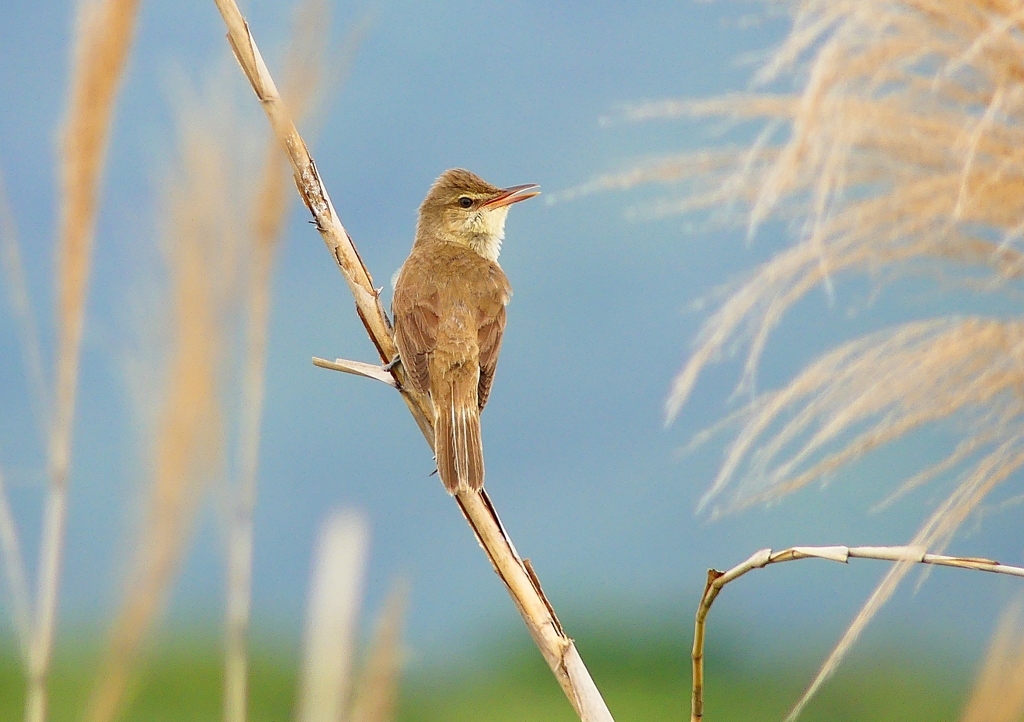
449, 310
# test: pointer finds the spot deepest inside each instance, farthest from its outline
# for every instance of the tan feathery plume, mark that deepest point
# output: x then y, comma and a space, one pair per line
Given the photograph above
306, 58
903, 151
203, 254
103, 36
998, 694
376, 692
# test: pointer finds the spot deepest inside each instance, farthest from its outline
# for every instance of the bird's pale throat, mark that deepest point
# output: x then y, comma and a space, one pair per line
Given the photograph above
485, 231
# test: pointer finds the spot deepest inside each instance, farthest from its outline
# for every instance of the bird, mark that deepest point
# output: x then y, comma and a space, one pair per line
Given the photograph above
449, 313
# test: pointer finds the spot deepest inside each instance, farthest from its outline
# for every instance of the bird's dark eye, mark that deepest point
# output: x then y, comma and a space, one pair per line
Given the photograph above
466, 201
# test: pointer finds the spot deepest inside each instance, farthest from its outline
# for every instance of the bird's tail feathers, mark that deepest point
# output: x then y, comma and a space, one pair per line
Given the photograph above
457, 442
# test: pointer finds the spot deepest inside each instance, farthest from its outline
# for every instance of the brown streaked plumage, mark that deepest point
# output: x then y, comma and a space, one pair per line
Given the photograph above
449, 310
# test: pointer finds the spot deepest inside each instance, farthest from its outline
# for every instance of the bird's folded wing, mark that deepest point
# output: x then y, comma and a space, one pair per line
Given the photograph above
416, 322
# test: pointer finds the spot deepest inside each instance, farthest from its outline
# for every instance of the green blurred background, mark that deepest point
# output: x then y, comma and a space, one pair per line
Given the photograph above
643, 676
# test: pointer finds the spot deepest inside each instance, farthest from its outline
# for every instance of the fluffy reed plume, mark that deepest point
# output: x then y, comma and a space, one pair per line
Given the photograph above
376, 693
203, 255
999, 690
326, 692
875, 389
903, 151
334, 599
305, 59
102, 38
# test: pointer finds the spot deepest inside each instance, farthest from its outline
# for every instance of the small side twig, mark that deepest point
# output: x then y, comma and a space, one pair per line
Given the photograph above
556, 647
357, 368
762, 558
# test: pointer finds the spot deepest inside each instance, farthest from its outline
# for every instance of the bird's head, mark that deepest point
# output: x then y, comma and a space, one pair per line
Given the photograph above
463, 208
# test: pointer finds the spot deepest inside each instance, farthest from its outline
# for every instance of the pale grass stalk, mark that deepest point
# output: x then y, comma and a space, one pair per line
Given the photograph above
10, 544
271, 210
202, 255
334, 598
14, 571
376, 692
21, 305
998, 694
102, 39
904, 555
305, 58
556, 647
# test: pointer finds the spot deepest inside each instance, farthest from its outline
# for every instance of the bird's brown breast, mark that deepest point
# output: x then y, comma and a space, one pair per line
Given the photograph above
449, 310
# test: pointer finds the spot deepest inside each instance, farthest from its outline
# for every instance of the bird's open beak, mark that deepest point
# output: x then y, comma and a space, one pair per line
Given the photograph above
508, 196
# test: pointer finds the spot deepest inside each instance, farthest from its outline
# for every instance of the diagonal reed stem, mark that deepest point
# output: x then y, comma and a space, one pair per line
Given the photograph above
556, 647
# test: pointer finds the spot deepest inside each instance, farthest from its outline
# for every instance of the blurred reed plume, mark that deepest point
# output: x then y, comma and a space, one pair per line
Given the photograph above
328, 690
334, 597
903, 151
103, 34
204, 254
305, 59
102, 39
376, 694
999, 690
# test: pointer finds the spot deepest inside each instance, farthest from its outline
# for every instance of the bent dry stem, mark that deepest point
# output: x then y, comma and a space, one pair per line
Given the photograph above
762, 558
556, 647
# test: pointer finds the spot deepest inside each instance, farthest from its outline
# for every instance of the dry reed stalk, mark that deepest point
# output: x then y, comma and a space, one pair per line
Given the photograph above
998, 694
202, 254
334, 598
307, 49
556, 647
376, 692
103, 36
21, 305
904, 556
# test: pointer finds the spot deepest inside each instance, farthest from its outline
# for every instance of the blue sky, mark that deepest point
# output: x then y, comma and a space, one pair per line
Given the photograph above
586, 477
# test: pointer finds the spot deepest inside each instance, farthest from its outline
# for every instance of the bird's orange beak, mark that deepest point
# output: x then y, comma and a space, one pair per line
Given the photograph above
511, 195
